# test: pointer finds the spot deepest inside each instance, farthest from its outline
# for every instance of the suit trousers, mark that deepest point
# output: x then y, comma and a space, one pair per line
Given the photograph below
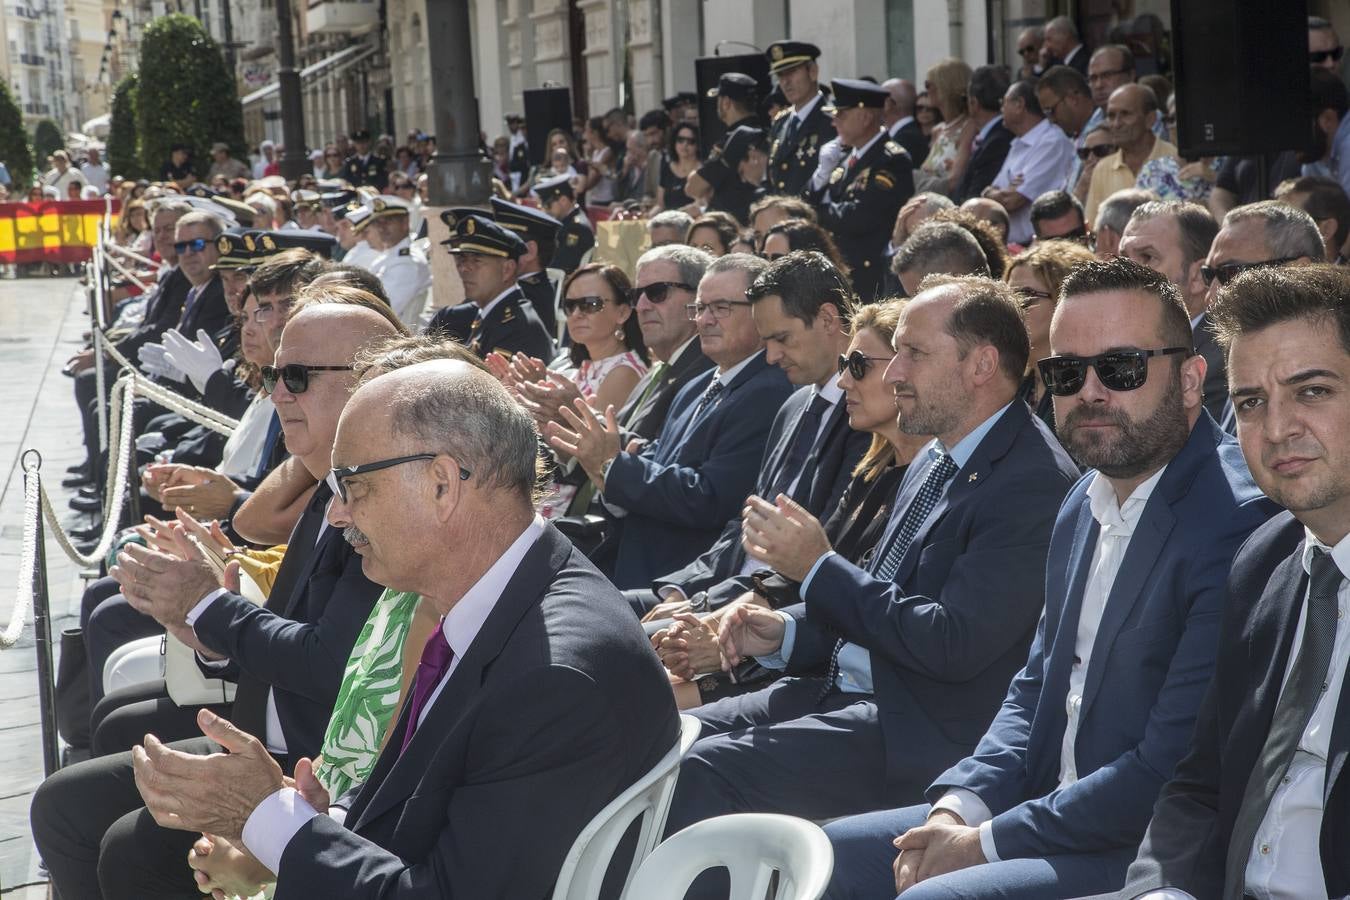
97, 839
122, 719
783, 750
643, 600
863, 858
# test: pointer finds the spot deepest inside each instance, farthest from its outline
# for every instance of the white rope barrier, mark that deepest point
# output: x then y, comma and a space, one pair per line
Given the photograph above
23, 593
127, 273
172, 400
130, 254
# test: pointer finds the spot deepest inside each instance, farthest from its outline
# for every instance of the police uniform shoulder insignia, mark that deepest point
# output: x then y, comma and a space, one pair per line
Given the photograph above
884, 180
406, 251
782, 112
837, 175
223, 244
508, 313
572, 239
894, 149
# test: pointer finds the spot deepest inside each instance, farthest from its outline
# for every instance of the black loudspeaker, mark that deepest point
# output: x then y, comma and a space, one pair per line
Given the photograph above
707, 70
1241, 73
545, 110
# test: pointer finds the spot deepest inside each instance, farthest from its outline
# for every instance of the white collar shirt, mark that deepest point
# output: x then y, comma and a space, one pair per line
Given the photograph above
1037, 162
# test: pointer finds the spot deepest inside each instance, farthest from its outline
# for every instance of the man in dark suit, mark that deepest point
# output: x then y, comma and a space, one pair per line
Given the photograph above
539, 231
897, 116
669, 500
802, 306
1063, 46
487, 259
532, 642
992, 140
1174, 238
364, 167
901, 665
1260, 806
287, 658
798, 133
859, 201
576, 236
1058, 792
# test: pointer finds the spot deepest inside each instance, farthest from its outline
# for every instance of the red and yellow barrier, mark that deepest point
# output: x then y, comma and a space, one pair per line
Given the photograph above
51, 231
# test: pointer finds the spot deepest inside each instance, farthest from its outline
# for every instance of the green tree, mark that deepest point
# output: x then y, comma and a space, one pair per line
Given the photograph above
188, 95
122, 156
47, 139
15, 152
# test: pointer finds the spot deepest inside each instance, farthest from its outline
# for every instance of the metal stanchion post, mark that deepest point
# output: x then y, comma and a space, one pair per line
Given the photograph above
42, 631
133, 479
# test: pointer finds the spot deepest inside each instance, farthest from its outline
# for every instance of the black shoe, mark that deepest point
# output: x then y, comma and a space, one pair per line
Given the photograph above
77, 480
86, 504
88, 534
90, 490
79, 468
86, 547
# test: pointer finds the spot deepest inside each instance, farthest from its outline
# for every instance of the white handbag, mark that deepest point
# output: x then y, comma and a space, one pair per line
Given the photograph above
186, 684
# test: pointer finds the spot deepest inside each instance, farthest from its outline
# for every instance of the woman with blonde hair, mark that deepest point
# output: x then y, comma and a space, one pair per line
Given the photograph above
1036, 274
946, 84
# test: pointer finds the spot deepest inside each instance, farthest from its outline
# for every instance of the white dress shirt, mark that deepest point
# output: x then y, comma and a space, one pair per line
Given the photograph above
244, 448
275, 821
1037, 162
1116, 525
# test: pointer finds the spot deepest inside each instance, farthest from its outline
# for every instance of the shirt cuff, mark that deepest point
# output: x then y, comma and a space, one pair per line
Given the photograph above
779, 660
966, 804
196, 611
1166, 894
987, 842
806, 582
273, 823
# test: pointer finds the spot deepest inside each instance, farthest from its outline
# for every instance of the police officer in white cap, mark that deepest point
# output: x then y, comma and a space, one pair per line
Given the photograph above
406, 278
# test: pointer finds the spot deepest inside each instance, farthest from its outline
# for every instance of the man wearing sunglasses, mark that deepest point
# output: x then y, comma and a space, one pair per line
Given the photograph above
487, 258
287, 658
1324, 45
1061, 787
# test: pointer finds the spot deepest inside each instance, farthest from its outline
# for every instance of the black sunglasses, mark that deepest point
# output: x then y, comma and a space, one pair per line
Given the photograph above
585, 304
337, 477
657, 291
1228, 271
295, 376
1029, 297
196, 245
1318, 57
1101, 151
772, 257
1118, 370
859, 363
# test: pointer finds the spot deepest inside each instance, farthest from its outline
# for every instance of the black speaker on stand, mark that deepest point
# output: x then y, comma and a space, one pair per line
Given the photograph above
545, 110
707, 70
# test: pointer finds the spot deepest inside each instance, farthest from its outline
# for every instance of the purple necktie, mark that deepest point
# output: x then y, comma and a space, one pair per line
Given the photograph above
435, 662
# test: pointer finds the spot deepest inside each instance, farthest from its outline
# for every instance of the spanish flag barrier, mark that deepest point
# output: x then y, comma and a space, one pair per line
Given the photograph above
52, 231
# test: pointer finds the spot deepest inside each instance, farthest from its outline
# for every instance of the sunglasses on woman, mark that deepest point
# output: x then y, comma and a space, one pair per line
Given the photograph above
295, 376
1101, 151
1118, 370
859, 364
1029, 297
657, 291
584, 304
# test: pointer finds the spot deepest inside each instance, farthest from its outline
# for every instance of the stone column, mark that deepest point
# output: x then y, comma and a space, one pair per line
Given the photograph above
552, 55
599, 56
644, 45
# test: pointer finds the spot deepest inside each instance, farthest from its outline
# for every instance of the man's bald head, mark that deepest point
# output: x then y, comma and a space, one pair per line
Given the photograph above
1130, 112
900, 100
344, 330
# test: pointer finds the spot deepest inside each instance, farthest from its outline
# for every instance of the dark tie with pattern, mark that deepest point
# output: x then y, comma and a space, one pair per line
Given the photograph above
436, 658
793, 126
803, 441
1307, 681
939, 473
709, 397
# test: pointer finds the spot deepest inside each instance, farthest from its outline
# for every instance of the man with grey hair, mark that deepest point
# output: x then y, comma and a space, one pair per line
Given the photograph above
669, 227
1324, 45
897, 117
531, 640
1029, 43
938, 248
1112, 215
668, 500
1063, 44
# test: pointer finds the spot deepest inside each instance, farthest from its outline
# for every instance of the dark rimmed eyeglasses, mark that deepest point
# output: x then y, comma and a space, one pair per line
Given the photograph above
583, 304
1228, 271
1029, 297
1101, 151
337, 477
196, 245
657, 291
859, 364
720, 309
1319, 57
1118, 370
295, 376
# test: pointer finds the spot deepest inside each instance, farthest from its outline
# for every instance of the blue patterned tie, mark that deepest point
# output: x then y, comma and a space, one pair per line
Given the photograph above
939, 473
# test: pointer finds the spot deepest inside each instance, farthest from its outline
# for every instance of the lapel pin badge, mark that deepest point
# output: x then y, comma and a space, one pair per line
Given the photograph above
973, 476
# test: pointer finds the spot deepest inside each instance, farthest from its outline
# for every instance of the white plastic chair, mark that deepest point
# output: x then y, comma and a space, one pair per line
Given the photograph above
583, 871
752, 846
135, 662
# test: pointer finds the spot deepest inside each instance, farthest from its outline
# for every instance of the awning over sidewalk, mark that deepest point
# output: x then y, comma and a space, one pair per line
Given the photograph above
324, 68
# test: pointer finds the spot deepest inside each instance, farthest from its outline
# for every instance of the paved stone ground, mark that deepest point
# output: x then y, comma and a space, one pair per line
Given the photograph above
41, 323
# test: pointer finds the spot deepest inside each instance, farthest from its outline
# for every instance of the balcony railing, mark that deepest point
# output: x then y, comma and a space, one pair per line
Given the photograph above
32, 59
342, 16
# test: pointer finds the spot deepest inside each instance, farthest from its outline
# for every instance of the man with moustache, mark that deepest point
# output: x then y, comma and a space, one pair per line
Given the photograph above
1058, 792
1260, 805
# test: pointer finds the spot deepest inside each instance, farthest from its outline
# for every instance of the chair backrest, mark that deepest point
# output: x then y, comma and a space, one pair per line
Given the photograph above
752, 846
583, 871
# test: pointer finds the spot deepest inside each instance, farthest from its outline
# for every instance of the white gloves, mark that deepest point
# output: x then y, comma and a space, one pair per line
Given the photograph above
198, 360
831, 154
154, 361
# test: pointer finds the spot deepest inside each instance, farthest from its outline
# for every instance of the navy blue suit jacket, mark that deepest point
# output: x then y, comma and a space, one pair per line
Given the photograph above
682, 488
1187, 841
953, 627
826, 473
1151, 661
558, 705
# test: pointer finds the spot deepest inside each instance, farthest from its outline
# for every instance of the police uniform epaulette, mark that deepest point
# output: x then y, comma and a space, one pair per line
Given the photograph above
406, 251
894, 149
782, 112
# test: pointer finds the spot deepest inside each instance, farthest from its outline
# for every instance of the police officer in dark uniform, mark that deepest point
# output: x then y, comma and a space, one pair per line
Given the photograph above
737, 174
364, 167
737, 105
864, 192
799, 131
539, 231
576, 237
486, 256
518, 163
